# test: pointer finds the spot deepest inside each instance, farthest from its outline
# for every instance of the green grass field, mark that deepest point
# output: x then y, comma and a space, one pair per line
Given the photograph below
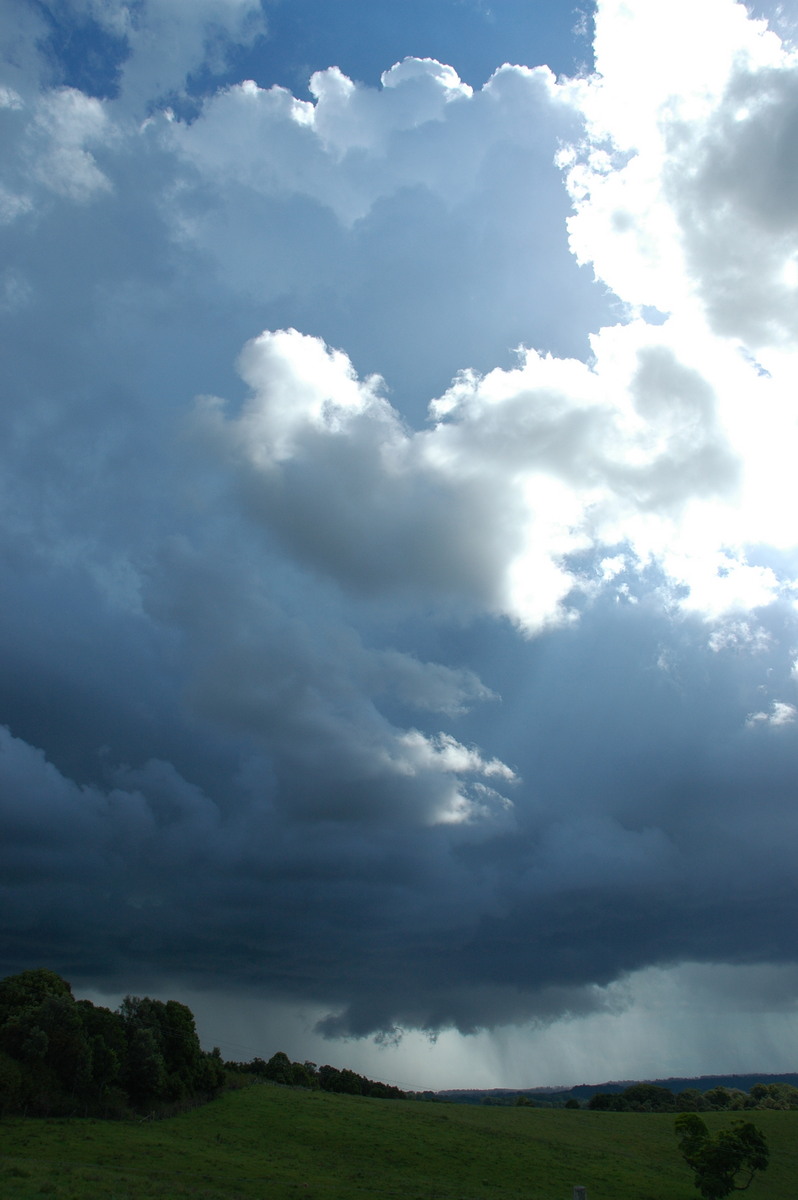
271, 1142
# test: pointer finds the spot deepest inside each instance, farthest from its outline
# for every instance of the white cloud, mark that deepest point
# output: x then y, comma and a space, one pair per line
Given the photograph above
646, 216
304, 387
393, 221
13, 205
431, 687
780, 714
65, 125
348, 116
523, 469
459, 804
353, 144
683, 203
742, 636
168, 39
657, 446
10, 99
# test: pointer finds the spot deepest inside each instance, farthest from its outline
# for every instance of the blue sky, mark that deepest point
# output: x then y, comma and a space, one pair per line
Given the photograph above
398, 605
298, 37
473, 37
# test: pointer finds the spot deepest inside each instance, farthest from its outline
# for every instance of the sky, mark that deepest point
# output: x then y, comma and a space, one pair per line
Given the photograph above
399, 589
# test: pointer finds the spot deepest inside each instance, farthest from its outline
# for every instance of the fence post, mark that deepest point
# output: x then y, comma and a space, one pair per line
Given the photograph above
580, 1193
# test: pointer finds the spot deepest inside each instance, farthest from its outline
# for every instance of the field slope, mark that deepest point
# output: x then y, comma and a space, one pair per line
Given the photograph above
272, 1142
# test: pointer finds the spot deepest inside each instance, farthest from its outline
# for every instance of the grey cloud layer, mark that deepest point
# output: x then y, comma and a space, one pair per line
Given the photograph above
273, 714
606, 863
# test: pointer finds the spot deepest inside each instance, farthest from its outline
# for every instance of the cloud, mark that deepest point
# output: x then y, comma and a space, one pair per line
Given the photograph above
521, 472
384, 219
352, 144
683, 196
429, 686
396, 623
740, 179
65, 124
476, 912
165, 41
780, 714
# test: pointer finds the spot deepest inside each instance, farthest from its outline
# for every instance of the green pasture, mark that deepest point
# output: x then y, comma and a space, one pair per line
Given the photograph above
269, 1142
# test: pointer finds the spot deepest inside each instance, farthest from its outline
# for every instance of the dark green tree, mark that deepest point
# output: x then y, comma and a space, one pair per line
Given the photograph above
28, 989
106, 1033
725, 1098
278, 1068
146, 1079
691, 1100
773, 1095
723, 1162
301, 1077
61, 1055
648, 1097
165, 1061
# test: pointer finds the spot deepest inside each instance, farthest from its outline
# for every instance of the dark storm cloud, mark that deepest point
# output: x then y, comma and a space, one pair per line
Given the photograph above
304, 883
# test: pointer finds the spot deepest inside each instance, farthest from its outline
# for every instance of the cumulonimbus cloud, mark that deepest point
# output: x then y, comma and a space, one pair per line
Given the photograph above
461, 676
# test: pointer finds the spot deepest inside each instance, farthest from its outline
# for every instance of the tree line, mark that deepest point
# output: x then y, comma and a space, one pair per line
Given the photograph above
62, 1056
65, 1057
280, 1069
650, 1097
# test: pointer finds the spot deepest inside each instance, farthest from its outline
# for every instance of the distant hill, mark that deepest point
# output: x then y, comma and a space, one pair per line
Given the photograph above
583, 1091
677, 1084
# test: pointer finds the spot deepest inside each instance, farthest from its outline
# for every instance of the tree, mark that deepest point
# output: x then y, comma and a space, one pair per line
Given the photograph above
146, 1079
278, 1068
724, 1162
61, 1055
691, 1100
773, 1095
28, 990
723, 1098
106, 1033
648, 1097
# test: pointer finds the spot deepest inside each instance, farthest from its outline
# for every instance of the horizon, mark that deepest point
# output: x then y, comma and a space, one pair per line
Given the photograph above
399, 604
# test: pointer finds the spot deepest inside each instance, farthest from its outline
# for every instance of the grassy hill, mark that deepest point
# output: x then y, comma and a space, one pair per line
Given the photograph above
268, 1141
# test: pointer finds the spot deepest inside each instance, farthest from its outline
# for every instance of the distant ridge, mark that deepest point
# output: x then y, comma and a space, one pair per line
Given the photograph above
585, 1090
678, 1083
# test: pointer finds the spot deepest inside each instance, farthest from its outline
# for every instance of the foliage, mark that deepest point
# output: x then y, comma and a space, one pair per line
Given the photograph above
28, 989
774, 1095
280, 1069
723, 1162
639, 1097
59, 1056
649, 1097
